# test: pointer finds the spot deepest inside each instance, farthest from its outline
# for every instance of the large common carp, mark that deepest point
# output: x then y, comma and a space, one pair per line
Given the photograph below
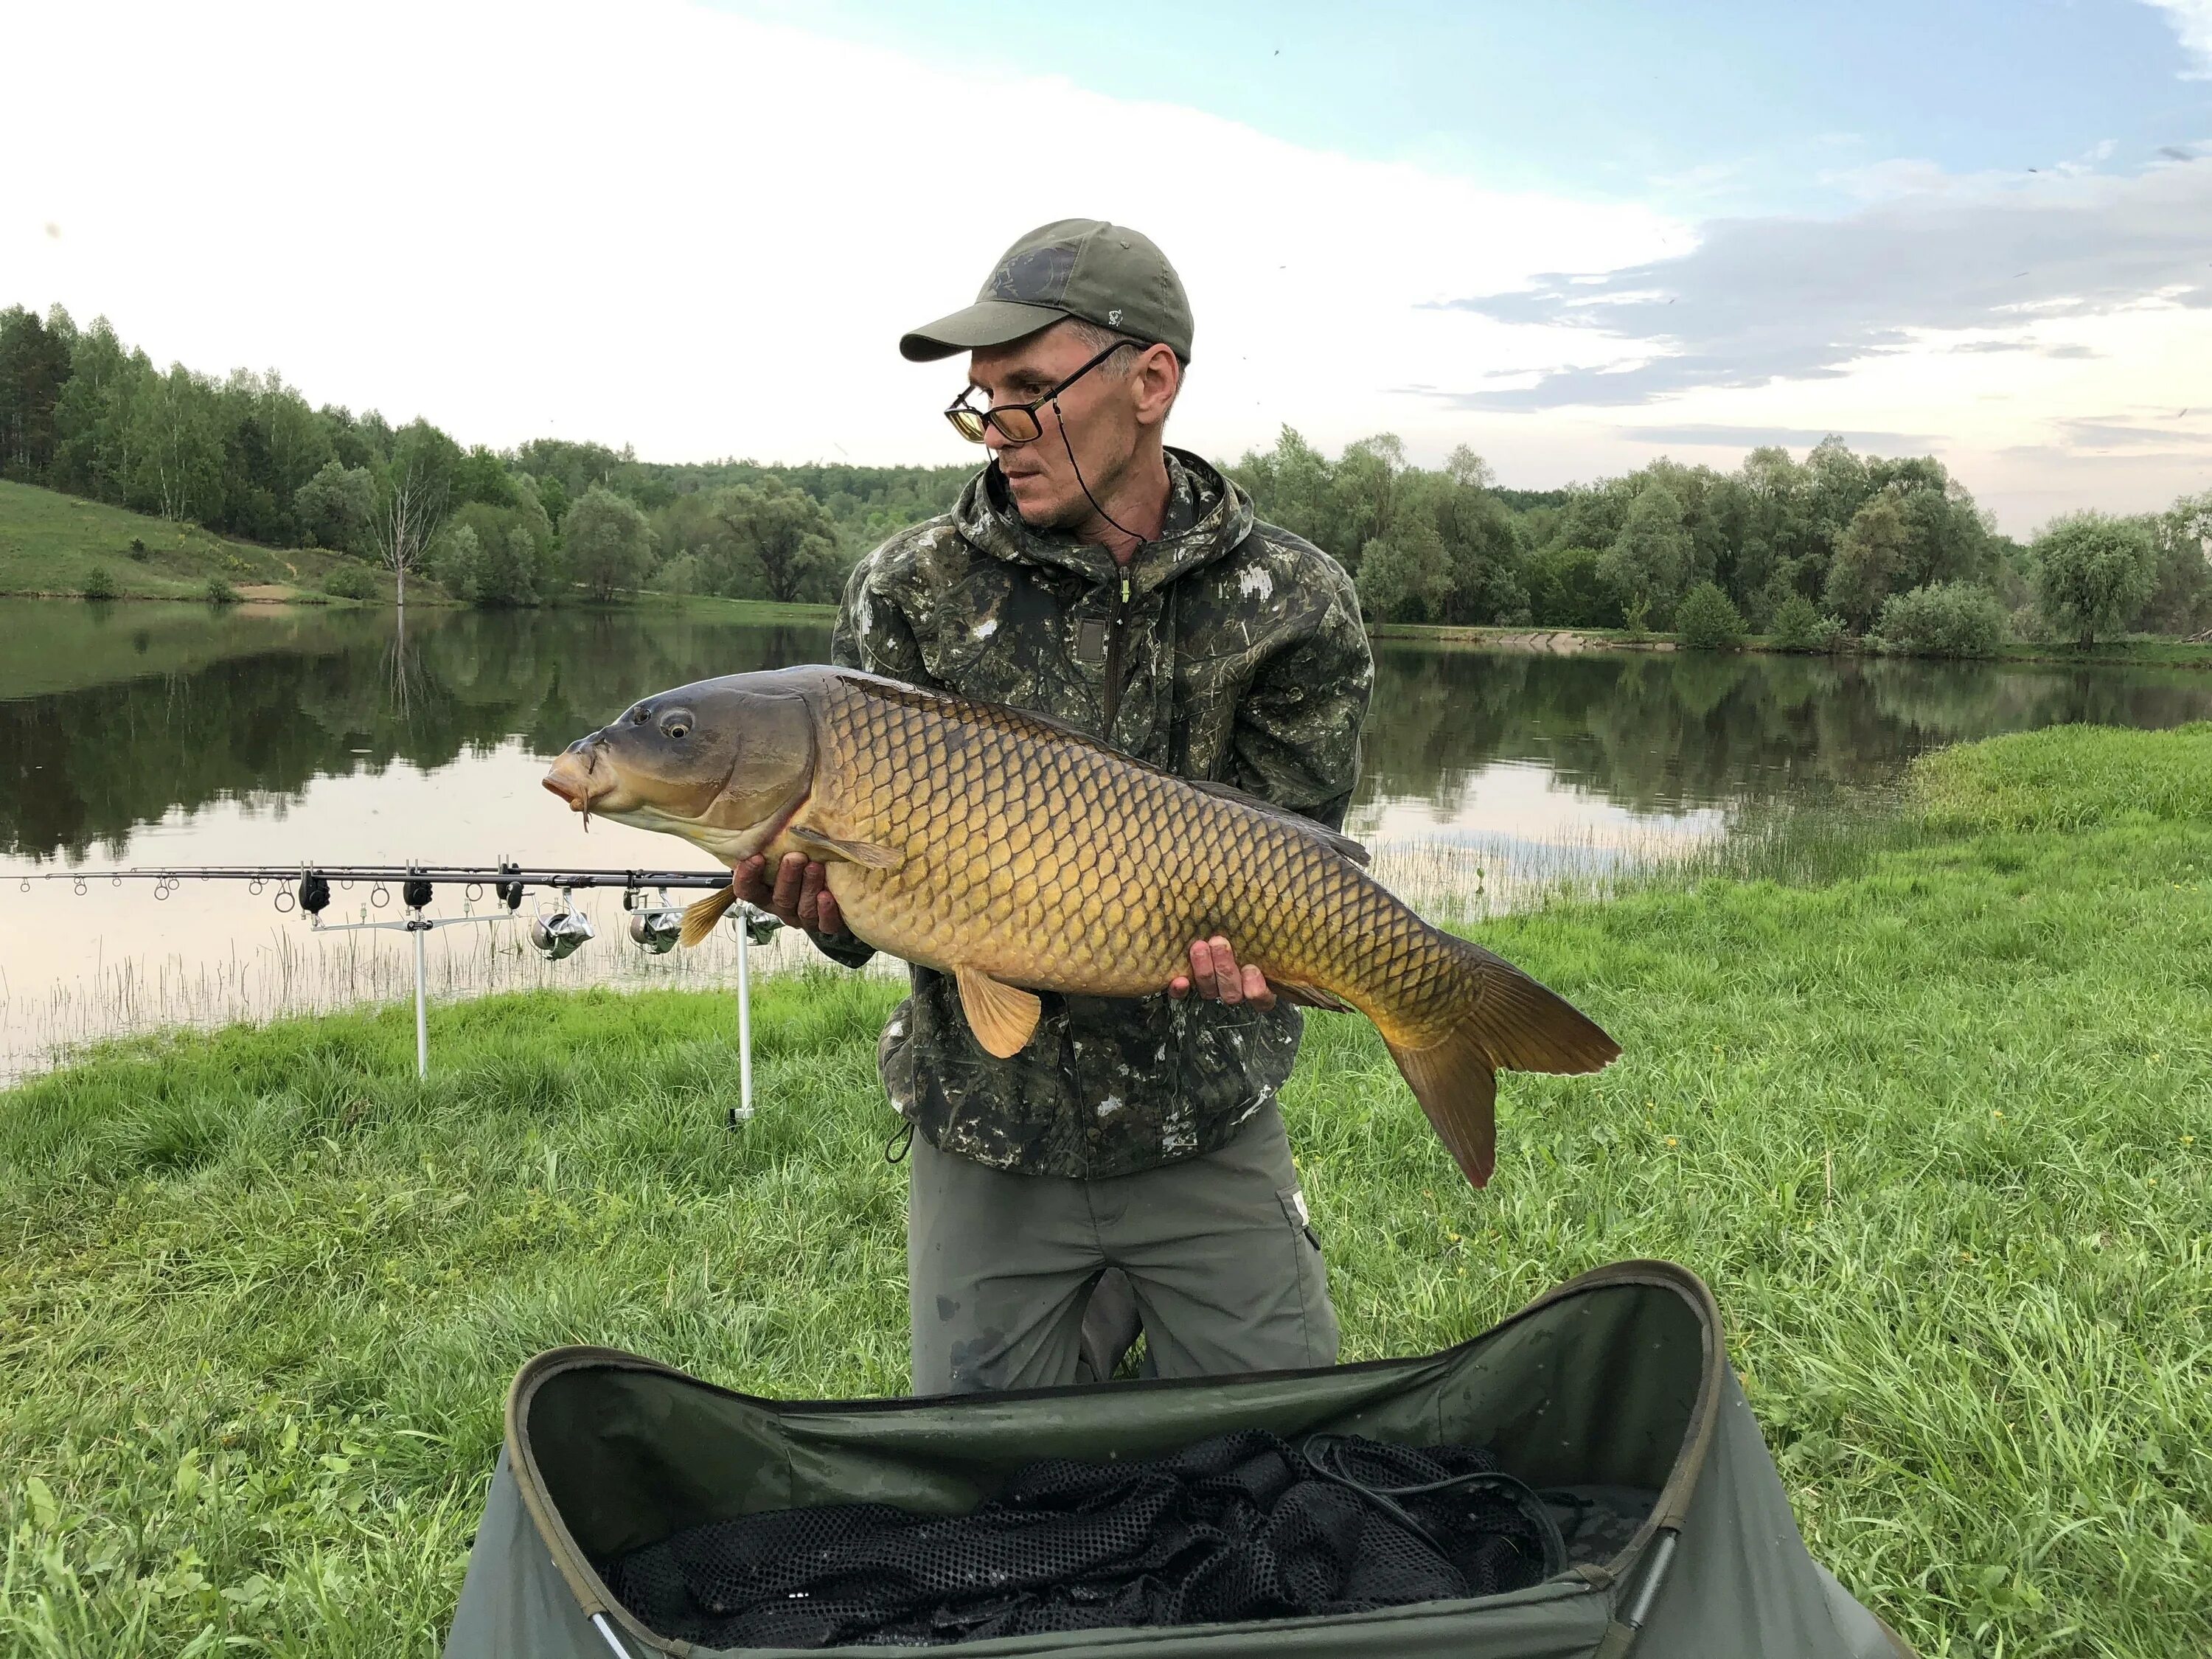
1020, 856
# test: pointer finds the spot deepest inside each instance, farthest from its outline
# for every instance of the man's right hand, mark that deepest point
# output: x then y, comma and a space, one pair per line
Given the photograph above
800, 896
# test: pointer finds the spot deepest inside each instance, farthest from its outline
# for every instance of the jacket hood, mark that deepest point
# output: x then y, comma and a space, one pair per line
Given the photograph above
1207, 518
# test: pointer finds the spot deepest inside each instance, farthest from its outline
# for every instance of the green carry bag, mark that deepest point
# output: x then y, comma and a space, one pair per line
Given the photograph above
1617, 1380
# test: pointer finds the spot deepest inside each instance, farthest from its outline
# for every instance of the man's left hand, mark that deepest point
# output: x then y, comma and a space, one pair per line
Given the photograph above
1216, 975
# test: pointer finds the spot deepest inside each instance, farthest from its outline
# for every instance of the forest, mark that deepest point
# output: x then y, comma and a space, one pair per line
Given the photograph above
1834, 550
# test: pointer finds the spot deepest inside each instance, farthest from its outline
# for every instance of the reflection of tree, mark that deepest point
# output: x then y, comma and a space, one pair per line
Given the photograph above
264, 709
1669, 730
84, 766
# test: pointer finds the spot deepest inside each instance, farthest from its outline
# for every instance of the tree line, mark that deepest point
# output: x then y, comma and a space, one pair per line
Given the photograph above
1815, 553
248, 455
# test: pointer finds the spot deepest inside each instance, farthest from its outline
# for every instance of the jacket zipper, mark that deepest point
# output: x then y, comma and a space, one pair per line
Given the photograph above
1113, 698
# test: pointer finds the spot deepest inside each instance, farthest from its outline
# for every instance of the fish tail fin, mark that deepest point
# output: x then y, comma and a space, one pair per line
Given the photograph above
1515, 1024
699, 918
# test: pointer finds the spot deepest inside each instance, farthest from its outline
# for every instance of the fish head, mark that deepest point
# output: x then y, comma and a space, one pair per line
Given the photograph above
723, 762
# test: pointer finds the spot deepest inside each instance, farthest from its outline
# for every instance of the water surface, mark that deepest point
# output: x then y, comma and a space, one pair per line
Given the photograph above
155, 734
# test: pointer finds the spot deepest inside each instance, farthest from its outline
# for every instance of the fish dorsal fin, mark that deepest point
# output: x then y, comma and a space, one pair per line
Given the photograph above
1001, 1016
828, 848
1343, 846
699, 918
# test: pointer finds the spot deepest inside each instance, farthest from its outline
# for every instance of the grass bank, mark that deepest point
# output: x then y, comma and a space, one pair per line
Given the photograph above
1932, 1116
50, 544
2139, 651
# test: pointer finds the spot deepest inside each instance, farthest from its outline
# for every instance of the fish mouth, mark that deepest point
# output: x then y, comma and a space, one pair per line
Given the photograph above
570, 778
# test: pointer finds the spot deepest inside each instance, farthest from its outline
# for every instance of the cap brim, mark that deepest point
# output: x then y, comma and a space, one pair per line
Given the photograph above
986, 323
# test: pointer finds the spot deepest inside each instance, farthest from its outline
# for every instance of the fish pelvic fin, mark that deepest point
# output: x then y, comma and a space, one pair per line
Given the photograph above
699, 918
830, 848
1002, 1017
1516, 1025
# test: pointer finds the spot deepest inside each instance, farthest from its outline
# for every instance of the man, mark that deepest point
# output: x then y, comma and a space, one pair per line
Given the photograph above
1090, 574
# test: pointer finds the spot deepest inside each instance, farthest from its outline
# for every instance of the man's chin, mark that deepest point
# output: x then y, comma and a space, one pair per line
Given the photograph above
1036, 508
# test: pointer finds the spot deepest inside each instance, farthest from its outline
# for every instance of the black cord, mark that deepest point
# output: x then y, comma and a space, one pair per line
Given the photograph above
1324, 1455
1061, 420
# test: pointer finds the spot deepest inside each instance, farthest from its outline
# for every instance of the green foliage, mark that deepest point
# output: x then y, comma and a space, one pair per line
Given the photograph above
334, 507
97, 584
1403, 576
608, 543
1566, 591
2181, 538
1707, 620
1648, 565
1933, 1127
138, 547
2093, 572
1798, 625
349, 581
1942, 619
766, 541
1869, 561
218, 591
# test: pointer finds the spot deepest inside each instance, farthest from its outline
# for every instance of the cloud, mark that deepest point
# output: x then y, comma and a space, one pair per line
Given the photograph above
2099, 435
703, 233
2192, 22
1715, 434
1758, 301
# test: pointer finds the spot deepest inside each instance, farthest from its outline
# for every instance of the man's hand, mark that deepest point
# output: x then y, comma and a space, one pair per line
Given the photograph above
800, 897
1216, 976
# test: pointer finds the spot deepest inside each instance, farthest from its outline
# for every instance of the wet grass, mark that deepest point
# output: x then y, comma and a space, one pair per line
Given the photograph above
1927, 1101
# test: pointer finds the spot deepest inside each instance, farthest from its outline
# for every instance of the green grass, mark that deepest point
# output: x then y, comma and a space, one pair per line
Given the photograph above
1932, 1114
51, 543
713, 606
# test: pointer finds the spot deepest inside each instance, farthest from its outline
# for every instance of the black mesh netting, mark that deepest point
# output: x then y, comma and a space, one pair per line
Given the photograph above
1241, 1526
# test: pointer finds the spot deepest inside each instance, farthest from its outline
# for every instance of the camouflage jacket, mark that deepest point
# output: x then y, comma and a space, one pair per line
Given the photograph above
1229, 650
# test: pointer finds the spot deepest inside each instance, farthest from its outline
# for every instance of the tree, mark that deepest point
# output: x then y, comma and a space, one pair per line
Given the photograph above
1707, 619
2182, 539
414, 495
1942, 619
1566, 591
35, 364
1870, 557
1648, 564
1799, 626
177, 447
1404, 576
333, 508
2093, 572
609, 545
778, 536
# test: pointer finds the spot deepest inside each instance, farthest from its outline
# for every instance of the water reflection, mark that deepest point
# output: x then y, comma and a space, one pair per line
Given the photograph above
171, 733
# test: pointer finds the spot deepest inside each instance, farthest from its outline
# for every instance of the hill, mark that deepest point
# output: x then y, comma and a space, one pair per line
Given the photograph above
50, 543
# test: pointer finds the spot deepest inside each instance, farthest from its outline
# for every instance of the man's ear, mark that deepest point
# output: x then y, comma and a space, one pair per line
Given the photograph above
1155, 379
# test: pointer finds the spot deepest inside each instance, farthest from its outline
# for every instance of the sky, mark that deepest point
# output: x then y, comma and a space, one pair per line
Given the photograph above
1573, 237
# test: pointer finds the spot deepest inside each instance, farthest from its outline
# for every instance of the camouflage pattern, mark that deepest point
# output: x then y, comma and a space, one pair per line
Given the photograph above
1236, 654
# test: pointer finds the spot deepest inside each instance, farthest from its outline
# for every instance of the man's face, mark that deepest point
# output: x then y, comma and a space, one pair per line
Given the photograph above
1105, 413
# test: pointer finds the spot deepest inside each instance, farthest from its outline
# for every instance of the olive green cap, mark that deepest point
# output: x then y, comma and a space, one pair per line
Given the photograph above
1105, 274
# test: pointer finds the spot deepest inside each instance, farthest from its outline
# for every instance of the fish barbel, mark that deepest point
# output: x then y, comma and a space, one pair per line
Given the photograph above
1019, 855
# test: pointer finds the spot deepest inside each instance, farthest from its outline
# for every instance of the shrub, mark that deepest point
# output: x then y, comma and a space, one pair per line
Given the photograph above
219, 591
97, 584
349, 581
1943, 619
1707, 620
1799, 626
138, 547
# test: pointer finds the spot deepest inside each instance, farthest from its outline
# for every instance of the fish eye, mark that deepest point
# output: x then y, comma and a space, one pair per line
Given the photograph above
677, 723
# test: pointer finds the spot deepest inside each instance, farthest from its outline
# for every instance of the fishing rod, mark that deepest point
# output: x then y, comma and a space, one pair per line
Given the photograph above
556, 932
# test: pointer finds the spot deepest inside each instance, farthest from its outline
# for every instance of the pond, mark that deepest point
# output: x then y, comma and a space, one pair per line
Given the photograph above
162, 734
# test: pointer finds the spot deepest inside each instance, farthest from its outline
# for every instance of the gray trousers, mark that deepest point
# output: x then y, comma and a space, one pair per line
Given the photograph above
1223, 1265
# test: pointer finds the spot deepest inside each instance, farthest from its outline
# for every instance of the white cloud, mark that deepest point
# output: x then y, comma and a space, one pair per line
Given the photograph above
2192, 22
703, 234
697, 233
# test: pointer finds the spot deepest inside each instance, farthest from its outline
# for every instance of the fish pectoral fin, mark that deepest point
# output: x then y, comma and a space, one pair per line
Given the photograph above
699, 918
1311, 996
828, 848
1002, 1016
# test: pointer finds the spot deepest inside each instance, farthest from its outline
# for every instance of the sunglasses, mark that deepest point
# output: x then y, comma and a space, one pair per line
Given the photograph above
1017, 423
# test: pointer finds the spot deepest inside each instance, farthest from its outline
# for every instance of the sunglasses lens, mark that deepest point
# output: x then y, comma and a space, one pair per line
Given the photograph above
968, 423
1017, 426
